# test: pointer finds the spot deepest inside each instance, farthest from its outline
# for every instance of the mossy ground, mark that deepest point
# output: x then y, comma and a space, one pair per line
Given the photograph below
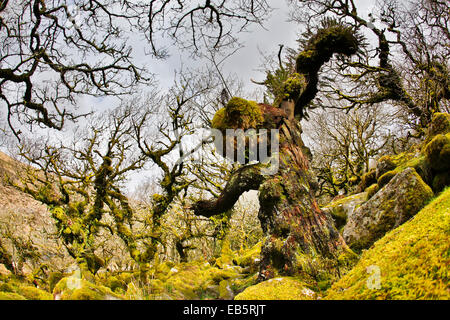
284, 288
413, 260
13, 288
223, 278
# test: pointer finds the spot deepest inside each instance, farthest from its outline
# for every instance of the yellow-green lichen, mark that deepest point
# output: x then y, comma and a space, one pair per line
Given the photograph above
411, 261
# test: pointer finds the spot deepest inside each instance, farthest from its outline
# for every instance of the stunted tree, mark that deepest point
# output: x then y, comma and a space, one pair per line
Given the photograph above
299, 237
81, 183
84, 182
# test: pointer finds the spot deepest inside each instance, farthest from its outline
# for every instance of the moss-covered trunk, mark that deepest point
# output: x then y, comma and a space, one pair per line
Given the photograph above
300, 238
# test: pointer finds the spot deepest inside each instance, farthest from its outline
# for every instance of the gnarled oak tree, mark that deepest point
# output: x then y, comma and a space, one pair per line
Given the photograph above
299, 237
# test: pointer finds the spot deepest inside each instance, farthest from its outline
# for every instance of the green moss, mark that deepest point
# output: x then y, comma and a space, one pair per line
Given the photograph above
400, 162
372, 190
218, 275
249, 257
226, 255
368, 179
53, 279
75, 288
412, 259
238, 285
126, 277
7, 287
384, 164
225, 291
11, 296
437, 152
347, 259
385, 178
115, 284
238, 113
293, 86
32, 293
86, 293
285, 288
219, 119
333, 37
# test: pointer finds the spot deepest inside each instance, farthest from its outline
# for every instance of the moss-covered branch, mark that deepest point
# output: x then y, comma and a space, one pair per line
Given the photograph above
244, 179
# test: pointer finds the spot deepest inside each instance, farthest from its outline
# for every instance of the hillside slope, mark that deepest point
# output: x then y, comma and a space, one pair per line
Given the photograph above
412, 260
26, 226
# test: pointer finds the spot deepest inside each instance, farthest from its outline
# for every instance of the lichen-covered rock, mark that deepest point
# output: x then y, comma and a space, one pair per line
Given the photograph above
341, 209
283, 288
391, 206
388, 166
410, 262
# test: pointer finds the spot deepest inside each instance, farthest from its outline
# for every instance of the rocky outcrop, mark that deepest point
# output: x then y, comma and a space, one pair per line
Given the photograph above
409, 263
391, 206
343, 208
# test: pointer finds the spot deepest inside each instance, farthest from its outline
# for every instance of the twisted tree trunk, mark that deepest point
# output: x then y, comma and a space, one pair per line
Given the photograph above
299, 237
